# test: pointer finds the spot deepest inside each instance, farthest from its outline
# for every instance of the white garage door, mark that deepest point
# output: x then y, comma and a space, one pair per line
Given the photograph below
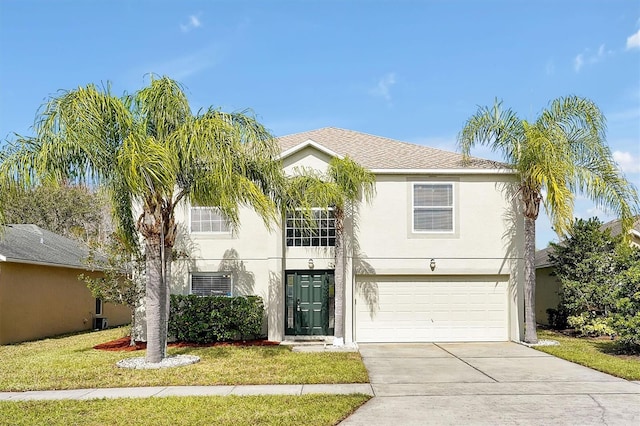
420, 309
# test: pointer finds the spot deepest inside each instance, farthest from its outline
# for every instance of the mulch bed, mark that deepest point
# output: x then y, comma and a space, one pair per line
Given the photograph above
123, 344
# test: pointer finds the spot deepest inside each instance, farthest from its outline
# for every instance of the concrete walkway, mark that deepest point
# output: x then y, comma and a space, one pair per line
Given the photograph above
489, 384
162, 391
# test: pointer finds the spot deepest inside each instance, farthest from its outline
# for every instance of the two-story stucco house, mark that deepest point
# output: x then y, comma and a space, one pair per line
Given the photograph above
435, 257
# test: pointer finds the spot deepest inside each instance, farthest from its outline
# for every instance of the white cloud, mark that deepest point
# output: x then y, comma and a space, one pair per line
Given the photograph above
187, 65
550, 68
627, 161
587, 57
193, 23
383, 88
578, 62
599, 211
633, 41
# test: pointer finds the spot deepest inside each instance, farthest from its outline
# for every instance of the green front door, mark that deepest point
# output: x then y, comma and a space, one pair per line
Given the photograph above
308, 303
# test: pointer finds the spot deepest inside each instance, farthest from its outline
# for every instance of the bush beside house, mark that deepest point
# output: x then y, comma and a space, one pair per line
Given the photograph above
207, 319
548, 284
599, 276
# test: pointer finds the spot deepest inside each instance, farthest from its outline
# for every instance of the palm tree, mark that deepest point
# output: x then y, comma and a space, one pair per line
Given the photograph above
151, 153
340, 188
562, 153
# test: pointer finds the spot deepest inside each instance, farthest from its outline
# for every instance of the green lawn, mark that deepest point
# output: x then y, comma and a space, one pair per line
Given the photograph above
227, 410
593, 353
72, 363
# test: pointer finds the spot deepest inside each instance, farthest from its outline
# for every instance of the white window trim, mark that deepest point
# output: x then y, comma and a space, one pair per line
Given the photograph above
100, 304
227, 232
452, 207
212, 274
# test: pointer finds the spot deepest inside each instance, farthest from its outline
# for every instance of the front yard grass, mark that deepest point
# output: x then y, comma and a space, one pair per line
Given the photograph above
72, 363
593, 353
228, 410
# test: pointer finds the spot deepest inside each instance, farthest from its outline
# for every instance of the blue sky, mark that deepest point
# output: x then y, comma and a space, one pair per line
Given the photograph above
408, 70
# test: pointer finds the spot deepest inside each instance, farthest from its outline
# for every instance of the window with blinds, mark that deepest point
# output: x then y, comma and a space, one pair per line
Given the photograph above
208, 219
433, 207
211, 284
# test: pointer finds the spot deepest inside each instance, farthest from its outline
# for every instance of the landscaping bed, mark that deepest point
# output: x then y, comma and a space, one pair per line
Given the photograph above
124, 344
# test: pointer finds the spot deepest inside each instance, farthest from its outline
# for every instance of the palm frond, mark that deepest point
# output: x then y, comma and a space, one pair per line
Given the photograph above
499, 129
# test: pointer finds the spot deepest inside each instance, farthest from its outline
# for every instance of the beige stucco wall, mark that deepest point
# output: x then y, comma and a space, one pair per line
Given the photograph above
488, 240
39, 301
487, 237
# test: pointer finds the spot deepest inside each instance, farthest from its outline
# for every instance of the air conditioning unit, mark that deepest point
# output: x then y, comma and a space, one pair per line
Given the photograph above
100, 323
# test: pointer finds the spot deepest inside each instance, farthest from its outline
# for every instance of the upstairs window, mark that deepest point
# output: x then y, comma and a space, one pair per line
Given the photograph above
433, 207
208, 219
211, 284
317, 231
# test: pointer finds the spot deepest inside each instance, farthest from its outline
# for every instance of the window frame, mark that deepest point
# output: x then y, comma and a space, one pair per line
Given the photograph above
452, 207
328, 237
213, 209
212, 274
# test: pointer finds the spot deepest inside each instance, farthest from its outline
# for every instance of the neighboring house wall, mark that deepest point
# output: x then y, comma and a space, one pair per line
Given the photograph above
547, 297
484, 247
39, 301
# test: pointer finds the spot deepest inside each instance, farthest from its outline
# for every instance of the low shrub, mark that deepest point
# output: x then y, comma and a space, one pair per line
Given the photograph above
207, 319
590, 324
557, 318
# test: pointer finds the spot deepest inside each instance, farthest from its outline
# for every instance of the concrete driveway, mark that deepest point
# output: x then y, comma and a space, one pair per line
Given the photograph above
489, 384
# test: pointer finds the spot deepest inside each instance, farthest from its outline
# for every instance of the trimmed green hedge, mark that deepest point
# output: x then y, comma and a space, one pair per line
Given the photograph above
206, 319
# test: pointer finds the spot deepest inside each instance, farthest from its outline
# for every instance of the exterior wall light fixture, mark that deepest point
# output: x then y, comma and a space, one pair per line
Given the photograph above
432, 264
311, 265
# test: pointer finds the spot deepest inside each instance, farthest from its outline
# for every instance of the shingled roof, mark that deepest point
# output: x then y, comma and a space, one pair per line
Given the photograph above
379, 153
32, 244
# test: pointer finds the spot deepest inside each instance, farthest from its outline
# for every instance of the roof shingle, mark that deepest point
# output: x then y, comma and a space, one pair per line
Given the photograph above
32, 244
379, 153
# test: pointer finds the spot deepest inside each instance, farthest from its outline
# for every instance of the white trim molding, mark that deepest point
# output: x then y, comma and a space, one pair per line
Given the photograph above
309, 143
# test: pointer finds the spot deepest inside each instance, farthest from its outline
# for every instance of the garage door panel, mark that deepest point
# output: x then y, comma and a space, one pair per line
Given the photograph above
425, 310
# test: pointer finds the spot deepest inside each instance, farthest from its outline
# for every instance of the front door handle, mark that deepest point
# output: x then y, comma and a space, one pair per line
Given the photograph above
298, 305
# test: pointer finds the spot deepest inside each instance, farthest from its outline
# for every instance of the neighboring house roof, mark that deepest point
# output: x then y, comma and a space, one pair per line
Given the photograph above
32, 244
379, 154
615, 227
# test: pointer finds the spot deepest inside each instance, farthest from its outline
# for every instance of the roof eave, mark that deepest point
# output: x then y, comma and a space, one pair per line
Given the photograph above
35, 262
445, 171
309, 143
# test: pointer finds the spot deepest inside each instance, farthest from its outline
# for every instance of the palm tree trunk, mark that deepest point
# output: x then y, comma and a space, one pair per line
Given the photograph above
132, 341
530, 335
168, 258
155, 303
338, 332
